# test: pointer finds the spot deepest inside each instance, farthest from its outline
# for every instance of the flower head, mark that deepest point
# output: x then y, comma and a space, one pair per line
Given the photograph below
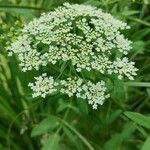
43, 86
83, 35
96, 93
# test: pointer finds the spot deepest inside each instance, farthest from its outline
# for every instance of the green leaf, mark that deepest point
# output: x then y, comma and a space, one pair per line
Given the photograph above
139, 118
115, 142
73, 139
138, 47
26, 12
52, 143
49, 123
113, 116
118, 93
92, 2
146, 145
148, 92
83, 106
129, 12
137, 36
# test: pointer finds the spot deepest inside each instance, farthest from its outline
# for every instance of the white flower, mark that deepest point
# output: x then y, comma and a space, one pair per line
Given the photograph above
43, 86
101, 63
29, 60
21, 45
72, 32
96, 93
85, 37
71, 86
123, 44
124, 68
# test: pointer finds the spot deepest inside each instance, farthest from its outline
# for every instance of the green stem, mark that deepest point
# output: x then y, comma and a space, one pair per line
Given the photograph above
139, 21
72, 129
138, 84
15, 121
78, 134
21, 7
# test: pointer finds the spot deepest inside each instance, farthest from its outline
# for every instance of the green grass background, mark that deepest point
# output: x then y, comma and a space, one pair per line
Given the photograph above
56, 123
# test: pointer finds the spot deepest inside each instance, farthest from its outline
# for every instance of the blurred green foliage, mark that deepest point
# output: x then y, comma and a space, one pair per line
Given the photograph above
55, 123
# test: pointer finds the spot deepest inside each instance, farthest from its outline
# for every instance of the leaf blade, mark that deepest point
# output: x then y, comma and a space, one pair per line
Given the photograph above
138, 118
146, 145
49, 123
52, 143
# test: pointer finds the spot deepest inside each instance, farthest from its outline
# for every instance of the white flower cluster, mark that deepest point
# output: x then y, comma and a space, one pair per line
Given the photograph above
71, 86
94, 93
124, 67
43, 85
82, 34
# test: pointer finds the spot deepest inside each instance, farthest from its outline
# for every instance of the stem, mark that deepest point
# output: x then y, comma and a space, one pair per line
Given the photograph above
71, 128
78, 134
21, 7
138, 84
17, 123
139, 21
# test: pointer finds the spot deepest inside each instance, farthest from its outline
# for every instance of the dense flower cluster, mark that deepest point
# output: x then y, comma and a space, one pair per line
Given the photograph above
95, 93
82, 34
43, 85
